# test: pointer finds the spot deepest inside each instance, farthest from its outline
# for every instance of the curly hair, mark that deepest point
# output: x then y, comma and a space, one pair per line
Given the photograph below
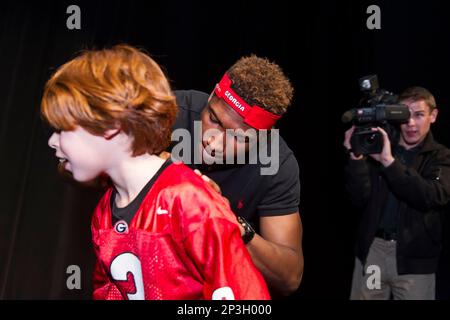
109, 88
261, 82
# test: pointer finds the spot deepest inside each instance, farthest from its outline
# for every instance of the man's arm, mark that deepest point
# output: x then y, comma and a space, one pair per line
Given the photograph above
420, 192
357, 175
277, 250
278, 253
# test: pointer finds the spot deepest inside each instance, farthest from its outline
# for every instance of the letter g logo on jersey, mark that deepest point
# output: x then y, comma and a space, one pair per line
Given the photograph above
121, 227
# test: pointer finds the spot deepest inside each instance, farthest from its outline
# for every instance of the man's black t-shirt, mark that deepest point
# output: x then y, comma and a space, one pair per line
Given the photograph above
250, 194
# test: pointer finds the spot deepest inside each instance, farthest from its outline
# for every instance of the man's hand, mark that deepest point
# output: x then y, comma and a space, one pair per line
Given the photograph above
209, 181
385, 157
348, 146
164, 155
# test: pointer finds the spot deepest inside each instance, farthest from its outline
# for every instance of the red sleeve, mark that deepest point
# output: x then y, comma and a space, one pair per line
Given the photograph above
221, 256
100, 283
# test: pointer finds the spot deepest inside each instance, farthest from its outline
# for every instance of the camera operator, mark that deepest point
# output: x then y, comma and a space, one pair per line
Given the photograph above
402, 192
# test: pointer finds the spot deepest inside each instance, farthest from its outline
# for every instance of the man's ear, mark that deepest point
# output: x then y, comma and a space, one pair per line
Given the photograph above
434, 115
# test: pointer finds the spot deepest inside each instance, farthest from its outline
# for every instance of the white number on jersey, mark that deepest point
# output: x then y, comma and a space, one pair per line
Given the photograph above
121, 266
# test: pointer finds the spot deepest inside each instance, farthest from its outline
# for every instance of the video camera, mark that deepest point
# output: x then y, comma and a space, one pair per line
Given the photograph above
378, 108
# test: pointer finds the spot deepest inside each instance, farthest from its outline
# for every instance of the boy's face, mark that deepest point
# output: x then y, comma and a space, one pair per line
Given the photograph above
82, 153
415, 130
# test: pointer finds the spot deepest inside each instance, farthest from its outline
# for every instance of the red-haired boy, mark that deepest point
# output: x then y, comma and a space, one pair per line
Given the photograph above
160, 232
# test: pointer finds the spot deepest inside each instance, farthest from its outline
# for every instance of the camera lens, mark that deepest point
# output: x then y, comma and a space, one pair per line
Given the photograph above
371, 139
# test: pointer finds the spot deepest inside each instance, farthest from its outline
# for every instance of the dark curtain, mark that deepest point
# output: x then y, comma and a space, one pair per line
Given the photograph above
323, 46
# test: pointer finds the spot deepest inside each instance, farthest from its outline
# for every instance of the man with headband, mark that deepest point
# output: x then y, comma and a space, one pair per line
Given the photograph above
237, 120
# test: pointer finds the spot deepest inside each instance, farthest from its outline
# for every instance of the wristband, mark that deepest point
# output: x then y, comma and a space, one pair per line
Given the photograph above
249, 232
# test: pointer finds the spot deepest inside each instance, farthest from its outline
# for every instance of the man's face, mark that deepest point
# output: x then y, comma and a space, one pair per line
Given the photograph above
414, 131
218, 117
80, 152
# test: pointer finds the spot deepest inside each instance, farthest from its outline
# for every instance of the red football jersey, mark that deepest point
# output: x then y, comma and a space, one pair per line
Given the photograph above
182, 243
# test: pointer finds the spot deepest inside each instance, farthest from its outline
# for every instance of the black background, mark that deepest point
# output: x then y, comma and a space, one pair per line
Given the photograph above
323, 46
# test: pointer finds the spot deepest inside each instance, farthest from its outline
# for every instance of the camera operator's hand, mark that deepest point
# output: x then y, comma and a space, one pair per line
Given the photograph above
348, 146
385, 157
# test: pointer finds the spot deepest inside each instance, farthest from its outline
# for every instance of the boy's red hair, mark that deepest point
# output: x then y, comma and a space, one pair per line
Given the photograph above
119, 87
